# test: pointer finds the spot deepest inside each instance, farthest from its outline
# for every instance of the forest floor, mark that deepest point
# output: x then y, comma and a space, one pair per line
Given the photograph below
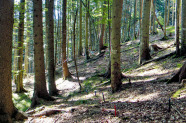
146, 99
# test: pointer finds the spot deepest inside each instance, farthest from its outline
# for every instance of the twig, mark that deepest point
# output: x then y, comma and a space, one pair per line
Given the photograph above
179, 112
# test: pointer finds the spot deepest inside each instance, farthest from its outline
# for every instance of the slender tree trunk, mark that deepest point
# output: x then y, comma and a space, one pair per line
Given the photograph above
140, 21
144, 43
177, 26
80, 29
168, 13
86, 30
115, 53
153, 20
40, 90
8, 111
183, 28
26, 60
101, 45
19, 82
173, 12
134, 26
66, 73
165, 20
50, 42
46, 33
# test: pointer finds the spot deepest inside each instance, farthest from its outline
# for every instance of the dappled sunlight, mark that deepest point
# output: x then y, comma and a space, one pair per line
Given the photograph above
142, 97
67, 85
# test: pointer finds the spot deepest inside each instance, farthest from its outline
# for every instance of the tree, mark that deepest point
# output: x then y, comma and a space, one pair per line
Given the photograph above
26, 59
101, 46
177, 27
183, 28
165, 20
19, 78
144, 42
8, 111
50, 43
40, 90
86, 30
134, 26
66, 73
80, 29
115, 41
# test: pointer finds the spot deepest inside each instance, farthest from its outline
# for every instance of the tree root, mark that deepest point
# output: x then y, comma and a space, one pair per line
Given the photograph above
160, 58
179, 76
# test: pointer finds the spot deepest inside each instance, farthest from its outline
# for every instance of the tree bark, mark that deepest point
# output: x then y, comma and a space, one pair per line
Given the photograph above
183, 29
115, 52
66, 73
8, 111
177, 26
144, 43
80, 30
40, 89
86, 30
50, 58
19, 81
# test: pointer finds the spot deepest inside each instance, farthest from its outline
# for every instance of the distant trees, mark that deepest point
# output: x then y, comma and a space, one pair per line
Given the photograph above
115, 41
8, 111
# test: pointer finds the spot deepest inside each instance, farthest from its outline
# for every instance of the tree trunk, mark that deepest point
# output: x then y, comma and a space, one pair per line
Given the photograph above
134, 26
26, 60
144, 43
168, 13
80, 30
40, 90
86, 30
101, 46
8, 111
19, 81
165, 20
115, 53
66, 73
183, 29
140, 21
153, 20
172, 12
50, 43
177, 26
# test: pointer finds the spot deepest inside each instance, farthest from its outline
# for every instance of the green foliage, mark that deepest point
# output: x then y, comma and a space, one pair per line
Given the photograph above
179, 65
22, 101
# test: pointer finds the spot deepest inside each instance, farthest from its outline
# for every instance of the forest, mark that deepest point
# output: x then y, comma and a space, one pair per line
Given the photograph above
84, 61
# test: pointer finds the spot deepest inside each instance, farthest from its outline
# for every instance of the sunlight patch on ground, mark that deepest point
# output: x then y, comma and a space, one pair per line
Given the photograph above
143, 97
66, 84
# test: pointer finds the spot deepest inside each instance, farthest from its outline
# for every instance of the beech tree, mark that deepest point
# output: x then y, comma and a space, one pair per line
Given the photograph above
115, 42
8, 111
